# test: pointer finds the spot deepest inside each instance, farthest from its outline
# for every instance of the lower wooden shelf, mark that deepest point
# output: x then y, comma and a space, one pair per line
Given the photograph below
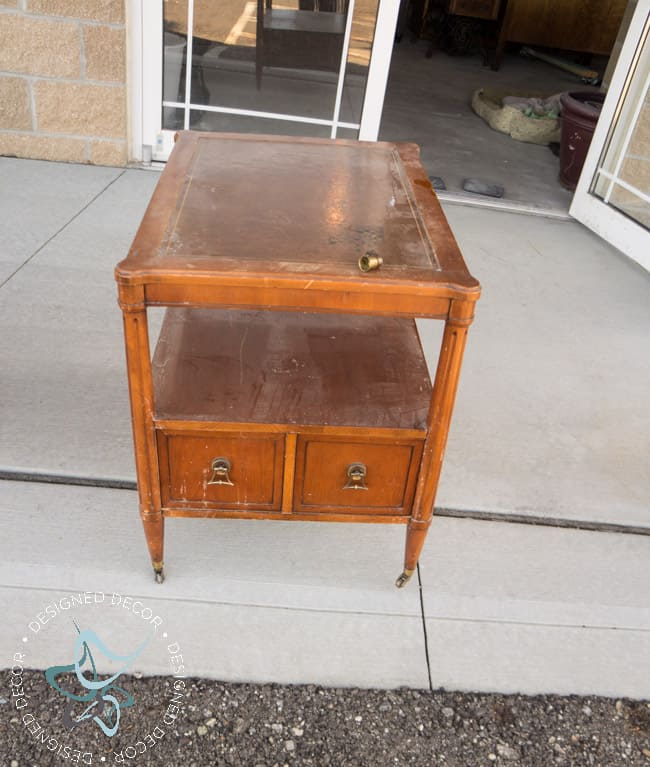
267, 367
278, 414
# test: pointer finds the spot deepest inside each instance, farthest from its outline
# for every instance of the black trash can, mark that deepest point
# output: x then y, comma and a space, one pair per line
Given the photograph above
580, 112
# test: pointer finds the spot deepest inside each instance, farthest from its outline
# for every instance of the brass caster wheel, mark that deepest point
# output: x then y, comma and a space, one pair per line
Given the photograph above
404, 578
158, 574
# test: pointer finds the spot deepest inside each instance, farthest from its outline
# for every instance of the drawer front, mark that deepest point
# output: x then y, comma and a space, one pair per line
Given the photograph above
356, 476
221, 470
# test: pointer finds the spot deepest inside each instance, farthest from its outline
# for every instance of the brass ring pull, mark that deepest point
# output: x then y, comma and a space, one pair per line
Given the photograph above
370, 261
220, 472
356, 477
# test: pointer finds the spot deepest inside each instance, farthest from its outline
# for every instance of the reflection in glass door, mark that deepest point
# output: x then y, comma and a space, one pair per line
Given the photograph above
296, 67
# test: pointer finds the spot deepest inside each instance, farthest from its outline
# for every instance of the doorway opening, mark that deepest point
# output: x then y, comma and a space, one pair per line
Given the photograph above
436, 74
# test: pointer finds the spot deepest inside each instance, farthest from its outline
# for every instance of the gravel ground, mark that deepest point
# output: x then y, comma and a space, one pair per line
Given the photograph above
267, 725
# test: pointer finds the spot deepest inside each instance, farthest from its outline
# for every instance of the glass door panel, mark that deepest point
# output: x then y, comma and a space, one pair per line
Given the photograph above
613, 193
234, 123
358, 60
298, 67
174, 58
623, 174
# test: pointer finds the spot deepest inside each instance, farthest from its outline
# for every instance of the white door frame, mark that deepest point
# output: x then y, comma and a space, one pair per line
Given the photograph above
148, 141
135, 111
619, 230
382, 51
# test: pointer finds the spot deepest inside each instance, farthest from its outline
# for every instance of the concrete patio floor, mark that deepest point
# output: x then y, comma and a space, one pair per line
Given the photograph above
552, 428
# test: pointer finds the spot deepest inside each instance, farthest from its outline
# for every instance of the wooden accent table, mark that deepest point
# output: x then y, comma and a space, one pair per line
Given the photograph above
287, 383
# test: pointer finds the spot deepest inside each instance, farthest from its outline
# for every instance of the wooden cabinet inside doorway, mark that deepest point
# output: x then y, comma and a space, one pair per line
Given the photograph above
588, 26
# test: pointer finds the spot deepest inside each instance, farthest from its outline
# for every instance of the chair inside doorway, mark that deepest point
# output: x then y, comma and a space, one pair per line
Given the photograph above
307, 38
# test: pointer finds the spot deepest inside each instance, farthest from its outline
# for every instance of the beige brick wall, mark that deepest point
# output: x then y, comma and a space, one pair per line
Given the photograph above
63, 80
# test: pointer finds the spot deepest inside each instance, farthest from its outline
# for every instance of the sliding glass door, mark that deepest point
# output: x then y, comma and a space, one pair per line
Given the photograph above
613, 194
293, 67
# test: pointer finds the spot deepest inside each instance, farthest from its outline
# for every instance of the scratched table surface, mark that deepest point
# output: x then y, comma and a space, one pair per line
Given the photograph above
295, 209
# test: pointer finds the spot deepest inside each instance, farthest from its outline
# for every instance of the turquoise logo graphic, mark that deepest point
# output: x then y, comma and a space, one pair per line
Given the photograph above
103, 699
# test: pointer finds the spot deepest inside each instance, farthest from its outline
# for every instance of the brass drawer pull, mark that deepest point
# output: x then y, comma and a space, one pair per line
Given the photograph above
220, 472
356, 477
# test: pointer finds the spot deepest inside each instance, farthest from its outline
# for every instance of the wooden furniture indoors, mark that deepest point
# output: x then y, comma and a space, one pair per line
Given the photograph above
287, 383
458, 26
310, 37
589, 26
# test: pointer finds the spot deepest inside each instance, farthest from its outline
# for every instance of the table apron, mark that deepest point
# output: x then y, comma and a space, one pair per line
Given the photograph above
294, 299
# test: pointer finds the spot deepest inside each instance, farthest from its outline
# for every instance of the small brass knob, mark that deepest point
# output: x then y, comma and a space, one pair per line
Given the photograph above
370, 261
220, 472
356, 477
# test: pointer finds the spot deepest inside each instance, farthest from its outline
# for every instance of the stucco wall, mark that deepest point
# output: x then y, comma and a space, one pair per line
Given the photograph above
62, 80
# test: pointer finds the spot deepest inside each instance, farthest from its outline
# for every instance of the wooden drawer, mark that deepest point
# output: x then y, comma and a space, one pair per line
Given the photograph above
326, 480
221, 470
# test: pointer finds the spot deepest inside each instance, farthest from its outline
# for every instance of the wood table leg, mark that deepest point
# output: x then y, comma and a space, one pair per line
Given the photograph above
438, 420
138, 362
